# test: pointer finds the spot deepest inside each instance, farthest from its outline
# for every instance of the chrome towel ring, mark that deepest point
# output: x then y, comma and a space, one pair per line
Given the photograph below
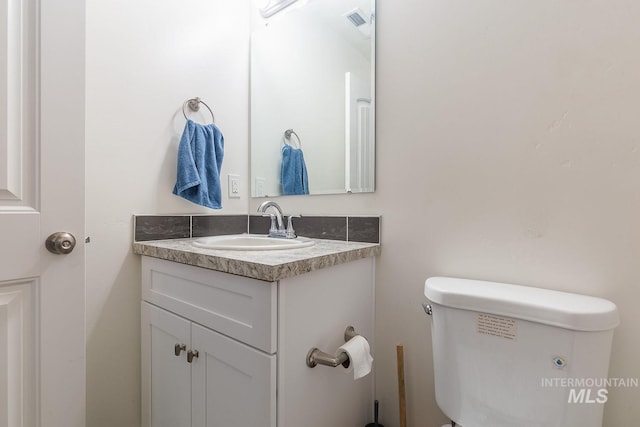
194, 105
287, 138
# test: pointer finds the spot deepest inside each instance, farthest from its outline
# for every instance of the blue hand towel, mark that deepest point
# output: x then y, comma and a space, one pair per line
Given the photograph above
293, 173
199, 161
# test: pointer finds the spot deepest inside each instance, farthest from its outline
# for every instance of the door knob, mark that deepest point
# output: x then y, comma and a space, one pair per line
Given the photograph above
60, 243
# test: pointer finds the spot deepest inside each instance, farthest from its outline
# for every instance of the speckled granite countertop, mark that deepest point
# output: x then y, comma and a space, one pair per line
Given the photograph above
263, 265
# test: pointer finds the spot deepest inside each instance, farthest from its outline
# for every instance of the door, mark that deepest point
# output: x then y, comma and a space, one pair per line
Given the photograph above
41, 192
234, 385
166, 374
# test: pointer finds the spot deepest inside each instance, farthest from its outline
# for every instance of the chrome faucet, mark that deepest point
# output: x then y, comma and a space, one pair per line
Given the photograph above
277, 223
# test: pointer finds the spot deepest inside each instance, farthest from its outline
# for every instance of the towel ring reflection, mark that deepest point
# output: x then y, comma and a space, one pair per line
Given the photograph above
287, 137
194, 105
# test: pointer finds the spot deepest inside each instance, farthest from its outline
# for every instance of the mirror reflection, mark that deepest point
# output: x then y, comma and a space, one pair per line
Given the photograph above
312, 97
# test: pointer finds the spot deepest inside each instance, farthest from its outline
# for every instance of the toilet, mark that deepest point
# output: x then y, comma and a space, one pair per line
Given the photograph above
517, 356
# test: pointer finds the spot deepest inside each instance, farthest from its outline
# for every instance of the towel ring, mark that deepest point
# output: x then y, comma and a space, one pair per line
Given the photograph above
287, 137
194, 105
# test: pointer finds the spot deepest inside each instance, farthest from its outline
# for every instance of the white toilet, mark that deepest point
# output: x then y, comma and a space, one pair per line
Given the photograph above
517, 356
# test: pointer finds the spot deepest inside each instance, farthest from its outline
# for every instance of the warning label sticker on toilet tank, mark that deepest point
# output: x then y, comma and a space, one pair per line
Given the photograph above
497, 326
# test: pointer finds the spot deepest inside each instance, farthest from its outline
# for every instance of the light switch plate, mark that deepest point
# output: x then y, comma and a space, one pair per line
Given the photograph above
259, 188
234, 186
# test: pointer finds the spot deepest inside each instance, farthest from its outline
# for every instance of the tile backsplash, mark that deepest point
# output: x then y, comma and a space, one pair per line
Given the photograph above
347, 228
155, 227
210, 225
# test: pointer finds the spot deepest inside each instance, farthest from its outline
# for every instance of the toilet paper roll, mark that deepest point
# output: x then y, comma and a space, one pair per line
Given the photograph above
359, 356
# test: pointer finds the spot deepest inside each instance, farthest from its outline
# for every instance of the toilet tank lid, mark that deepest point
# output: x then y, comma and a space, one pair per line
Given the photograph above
562, 309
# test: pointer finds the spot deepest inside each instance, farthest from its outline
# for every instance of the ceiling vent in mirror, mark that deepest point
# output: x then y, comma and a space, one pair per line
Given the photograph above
360, 20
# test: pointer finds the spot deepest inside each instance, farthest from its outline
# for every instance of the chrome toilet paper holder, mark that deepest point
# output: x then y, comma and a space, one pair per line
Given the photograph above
317, 357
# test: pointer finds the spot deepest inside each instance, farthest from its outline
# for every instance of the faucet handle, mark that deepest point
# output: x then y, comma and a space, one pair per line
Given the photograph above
274, 227
291, 234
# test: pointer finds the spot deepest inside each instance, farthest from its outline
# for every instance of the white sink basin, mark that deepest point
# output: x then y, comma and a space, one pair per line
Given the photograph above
251, 242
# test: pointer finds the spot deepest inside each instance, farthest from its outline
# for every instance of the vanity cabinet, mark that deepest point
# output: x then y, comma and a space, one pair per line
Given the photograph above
199, 333
223, 350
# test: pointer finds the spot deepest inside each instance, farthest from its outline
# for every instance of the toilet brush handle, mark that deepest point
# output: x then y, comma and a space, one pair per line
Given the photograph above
401, 396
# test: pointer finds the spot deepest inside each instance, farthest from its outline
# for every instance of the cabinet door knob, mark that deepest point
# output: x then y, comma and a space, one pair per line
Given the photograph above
178, 348
191, 354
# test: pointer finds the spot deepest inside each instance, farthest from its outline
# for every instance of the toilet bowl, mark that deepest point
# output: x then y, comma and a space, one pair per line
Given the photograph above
497, 348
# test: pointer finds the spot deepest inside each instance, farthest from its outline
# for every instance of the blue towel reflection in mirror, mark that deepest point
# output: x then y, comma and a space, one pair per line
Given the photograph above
293, 172
200, 156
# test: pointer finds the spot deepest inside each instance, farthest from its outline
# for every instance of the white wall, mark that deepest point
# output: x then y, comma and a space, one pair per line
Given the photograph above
518, 123
144, 59
507, 146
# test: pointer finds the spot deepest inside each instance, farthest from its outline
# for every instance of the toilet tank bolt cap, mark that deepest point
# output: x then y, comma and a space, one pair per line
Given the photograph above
427, 308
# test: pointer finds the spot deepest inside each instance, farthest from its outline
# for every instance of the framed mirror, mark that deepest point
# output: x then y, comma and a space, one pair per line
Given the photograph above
312, 97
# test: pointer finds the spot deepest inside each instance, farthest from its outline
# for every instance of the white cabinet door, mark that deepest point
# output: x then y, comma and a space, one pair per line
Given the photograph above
166, 378
234, 385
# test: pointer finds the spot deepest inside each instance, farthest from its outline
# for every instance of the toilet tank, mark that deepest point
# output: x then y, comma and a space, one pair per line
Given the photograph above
517, 356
